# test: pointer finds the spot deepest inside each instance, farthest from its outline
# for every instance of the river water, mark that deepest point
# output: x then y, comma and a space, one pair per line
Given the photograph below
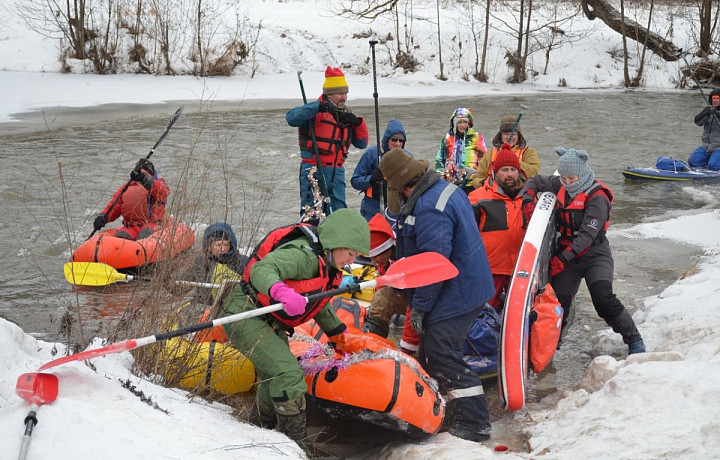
239, 163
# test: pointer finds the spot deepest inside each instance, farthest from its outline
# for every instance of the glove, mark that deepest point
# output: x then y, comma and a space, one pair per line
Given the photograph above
100, 221
376, 177
416, 320
348, 280
351, 119
139, 176
293, 303
324, 107
556, 266
348, 342
528, 207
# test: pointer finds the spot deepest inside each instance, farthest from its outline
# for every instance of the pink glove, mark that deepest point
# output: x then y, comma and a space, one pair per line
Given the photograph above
293, 303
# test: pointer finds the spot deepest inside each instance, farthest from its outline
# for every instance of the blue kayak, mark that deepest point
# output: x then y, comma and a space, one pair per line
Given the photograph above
662, 174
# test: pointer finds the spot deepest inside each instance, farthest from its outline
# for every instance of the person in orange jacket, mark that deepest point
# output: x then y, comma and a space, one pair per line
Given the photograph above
387, 301
498, 211
141, 204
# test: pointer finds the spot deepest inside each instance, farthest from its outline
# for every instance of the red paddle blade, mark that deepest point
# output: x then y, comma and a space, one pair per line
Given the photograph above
418, 270
118, 347
37, 388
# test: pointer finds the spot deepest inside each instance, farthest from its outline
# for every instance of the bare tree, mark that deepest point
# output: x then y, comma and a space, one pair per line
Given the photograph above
439, 37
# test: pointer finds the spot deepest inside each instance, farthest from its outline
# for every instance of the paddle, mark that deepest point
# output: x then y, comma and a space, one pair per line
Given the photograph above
409, 272
36, 388
172, 121
98, 274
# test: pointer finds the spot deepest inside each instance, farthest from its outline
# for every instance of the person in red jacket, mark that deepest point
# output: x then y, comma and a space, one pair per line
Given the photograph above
387, 301
498, 211
141, 204
327, 128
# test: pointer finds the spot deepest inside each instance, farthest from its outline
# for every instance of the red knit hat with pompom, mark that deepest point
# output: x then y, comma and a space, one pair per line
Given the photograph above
505, 157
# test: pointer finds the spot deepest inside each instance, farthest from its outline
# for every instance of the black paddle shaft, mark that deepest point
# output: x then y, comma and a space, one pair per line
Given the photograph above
172, 121
380, 197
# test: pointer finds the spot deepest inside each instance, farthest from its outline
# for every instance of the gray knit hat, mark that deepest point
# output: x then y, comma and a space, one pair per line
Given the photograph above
574, 162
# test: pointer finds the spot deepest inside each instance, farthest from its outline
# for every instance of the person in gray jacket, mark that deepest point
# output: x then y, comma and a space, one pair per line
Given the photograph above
708, 154
583, 251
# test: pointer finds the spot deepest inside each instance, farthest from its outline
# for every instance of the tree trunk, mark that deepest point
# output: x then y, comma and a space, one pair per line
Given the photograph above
705, 28
442, 75
606, 13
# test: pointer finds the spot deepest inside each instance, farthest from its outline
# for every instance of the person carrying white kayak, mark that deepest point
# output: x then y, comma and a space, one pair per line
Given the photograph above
583, 251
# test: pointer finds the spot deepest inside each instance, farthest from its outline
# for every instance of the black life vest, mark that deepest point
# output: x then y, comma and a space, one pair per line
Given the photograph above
327, 279
572, 210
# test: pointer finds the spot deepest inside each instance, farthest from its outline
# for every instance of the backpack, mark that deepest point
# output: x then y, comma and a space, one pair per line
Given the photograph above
670, 164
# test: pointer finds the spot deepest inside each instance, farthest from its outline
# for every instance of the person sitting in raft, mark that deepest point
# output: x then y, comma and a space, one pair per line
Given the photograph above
708, 154
220, 261
289, 263
141, 205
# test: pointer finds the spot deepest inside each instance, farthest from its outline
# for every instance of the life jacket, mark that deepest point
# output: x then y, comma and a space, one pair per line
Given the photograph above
332, 140
520, 152
326, 280
572, 210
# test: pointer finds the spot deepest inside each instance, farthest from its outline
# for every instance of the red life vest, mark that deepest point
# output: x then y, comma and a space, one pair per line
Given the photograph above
572, 210
323, 282
332, 140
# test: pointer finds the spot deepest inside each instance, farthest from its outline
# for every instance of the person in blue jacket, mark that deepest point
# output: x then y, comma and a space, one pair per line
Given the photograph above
367, 176
435, 215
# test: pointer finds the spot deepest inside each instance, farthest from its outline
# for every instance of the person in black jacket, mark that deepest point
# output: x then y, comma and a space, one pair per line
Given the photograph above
708, 154
583, 251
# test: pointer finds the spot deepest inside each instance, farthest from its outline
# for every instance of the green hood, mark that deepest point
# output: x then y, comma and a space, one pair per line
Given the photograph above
345, 228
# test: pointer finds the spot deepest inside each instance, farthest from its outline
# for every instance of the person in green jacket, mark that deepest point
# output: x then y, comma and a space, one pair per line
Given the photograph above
280, 398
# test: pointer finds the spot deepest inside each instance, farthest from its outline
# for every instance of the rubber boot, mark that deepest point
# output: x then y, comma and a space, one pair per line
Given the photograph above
262, 414
376, 325
292, 422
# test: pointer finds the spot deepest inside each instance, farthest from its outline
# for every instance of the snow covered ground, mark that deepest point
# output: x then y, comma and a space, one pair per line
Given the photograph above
663, 404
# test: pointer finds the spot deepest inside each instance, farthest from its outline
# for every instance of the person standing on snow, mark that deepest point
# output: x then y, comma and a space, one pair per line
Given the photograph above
436, 216
708, 154
583, 251
367, 175
461, 148
335, 129
141, 205
498, 210
528, 157
289, 262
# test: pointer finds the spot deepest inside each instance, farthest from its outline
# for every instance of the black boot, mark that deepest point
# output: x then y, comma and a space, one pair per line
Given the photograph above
624, 325
263, 415
292, 422
376, 325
